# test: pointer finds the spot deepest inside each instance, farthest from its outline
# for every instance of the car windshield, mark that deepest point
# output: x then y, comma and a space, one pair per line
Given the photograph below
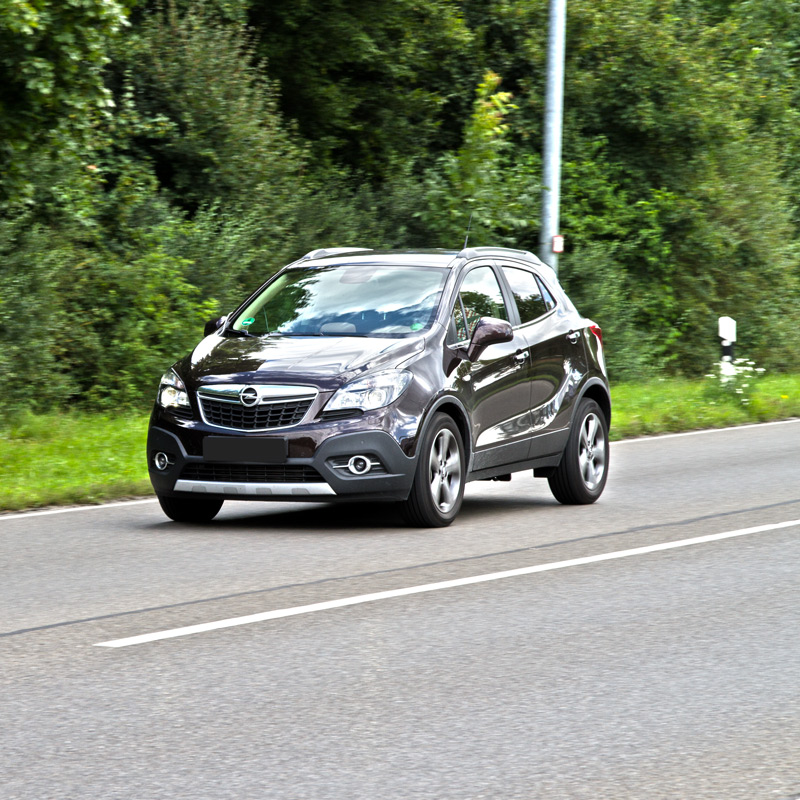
347, 300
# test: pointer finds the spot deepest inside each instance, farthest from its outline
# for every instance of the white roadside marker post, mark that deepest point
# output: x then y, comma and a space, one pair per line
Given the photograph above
727, 336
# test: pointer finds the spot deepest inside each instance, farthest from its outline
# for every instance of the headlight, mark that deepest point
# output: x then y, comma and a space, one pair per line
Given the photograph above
372, 392
172, 391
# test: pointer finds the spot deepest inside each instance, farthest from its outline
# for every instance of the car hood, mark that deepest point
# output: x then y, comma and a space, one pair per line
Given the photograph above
325, 361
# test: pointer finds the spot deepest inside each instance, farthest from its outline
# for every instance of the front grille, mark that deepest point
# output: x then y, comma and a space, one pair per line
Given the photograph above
251, 473
342, 413
254, 418
182, 412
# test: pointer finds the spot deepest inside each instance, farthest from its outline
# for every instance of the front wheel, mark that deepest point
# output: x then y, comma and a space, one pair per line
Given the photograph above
201, 509
438, 487
581, 476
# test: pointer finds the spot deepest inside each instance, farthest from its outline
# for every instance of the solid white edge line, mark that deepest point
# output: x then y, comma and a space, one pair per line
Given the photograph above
433, 587
659, 437
25, 514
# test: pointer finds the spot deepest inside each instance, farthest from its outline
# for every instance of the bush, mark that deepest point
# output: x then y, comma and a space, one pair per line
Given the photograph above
33, 321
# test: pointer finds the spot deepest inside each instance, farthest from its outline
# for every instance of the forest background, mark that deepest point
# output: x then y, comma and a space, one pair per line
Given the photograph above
158, 160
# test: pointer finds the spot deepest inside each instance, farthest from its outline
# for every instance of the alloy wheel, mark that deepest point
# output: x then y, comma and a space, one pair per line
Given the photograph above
592, 452
444, 471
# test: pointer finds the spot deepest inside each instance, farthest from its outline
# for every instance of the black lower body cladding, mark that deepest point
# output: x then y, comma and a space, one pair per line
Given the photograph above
366, 465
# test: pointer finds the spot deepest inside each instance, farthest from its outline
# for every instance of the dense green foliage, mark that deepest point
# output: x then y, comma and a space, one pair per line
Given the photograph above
52, 55
159, 159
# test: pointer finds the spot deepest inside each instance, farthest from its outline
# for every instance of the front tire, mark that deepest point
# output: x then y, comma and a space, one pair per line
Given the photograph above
581, 476
200, 509
438, 488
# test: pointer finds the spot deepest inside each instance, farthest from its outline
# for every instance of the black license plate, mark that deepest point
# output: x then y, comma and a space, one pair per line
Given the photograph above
232, 448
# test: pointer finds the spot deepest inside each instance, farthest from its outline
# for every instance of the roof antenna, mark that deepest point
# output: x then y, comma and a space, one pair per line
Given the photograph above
466, 238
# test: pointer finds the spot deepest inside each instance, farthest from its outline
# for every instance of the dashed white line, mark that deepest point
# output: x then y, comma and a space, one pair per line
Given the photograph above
434, 587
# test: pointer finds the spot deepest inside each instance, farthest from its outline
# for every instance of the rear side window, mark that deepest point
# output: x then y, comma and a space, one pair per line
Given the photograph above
480, 296
548, 298
527, 294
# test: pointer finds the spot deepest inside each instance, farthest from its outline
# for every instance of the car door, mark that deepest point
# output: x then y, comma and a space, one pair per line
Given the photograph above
556, 358
494, 388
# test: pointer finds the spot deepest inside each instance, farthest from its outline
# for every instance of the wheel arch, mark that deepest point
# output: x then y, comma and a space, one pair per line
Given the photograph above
596, 390
455, 410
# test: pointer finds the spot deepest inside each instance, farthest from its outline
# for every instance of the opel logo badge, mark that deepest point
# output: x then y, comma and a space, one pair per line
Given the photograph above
248, 396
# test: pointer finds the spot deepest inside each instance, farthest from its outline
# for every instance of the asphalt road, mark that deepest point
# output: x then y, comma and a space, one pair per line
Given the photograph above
661, 673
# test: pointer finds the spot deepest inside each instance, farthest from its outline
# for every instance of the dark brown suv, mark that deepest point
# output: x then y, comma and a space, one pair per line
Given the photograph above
398, 376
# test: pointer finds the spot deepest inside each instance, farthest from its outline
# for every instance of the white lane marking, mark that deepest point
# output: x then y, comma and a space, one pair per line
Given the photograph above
434, 587
659, 437
26, 514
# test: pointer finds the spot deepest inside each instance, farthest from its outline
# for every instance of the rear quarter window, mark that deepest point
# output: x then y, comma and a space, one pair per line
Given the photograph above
528, 295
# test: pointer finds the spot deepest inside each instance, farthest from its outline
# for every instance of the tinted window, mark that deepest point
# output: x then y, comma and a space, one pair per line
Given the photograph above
526, 291
548, 298
458, 324
346, 300
480, 296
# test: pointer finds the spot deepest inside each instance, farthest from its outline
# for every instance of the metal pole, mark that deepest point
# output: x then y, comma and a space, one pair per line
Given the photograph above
553, 116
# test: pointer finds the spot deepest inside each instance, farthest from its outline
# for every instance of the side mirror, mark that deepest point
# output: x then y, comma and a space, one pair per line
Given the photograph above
488, 331
214, 325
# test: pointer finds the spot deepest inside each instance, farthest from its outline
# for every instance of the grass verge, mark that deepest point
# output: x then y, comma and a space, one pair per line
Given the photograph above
673, 405
70, 458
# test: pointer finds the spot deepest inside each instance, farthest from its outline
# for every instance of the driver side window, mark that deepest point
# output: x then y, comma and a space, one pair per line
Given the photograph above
480, 296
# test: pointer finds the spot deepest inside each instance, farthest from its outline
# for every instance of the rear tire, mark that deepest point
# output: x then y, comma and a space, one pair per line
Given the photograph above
438, 488
201, 509
581, 476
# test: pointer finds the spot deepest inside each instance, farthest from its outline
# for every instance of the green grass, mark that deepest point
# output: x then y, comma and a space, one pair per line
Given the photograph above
671, 405
61, 459
70, 458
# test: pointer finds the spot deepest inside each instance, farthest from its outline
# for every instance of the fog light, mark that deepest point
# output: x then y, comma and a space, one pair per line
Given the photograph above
359, 465
161, 460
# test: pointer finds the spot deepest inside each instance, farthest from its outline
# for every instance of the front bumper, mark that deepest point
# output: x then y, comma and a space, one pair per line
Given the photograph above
320, 474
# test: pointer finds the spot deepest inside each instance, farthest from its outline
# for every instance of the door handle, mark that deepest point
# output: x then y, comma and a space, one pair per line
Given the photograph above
573, 336
520, 356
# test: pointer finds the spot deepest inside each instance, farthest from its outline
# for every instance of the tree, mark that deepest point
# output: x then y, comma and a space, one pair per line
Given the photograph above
370, 85
483, 184
52, 56
677, 100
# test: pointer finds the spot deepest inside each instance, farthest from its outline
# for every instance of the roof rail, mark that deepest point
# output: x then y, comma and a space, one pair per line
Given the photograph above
475, 252
333, 251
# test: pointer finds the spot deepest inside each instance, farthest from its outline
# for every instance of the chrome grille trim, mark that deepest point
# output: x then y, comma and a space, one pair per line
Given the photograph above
267, 392
297, 400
